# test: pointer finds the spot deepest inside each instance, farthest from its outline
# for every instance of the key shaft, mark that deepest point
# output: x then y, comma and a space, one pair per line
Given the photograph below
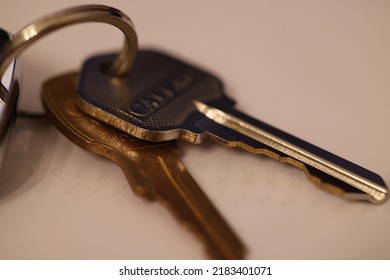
280, 145
152, 169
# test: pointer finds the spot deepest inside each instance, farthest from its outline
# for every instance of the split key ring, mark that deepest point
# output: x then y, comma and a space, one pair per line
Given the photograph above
18, 42
86, 13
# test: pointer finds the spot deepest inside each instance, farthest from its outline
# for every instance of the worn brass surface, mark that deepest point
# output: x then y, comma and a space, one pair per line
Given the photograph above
152, 169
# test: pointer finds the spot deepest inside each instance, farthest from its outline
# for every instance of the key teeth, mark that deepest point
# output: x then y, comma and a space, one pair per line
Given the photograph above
143, 192
376, 197
330, 188
373, 196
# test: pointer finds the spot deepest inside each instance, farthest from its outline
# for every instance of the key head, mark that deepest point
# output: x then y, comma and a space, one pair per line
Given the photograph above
59, 99
155, 102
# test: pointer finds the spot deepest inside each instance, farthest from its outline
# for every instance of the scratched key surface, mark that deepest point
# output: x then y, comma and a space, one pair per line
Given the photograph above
152, 169
165, 99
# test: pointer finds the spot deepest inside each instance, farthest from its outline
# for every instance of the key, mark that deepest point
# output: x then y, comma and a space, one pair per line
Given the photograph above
165, 99
152, 169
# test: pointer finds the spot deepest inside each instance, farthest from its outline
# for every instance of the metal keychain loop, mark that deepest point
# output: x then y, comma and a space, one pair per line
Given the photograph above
45, 25
86, 13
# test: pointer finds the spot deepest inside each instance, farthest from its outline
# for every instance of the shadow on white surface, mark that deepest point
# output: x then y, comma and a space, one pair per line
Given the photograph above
29, 149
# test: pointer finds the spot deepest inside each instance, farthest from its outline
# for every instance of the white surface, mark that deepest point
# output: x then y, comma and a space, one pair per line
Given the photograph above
317, 70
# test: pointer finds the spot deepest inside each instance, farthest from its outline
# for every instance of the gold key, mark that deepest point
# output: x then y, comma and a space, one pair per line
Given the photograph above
152, 169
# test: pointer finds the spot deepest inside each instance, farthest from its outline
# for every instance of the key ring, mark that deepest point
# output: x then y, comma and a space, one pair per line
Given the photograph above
45, 25
85, 13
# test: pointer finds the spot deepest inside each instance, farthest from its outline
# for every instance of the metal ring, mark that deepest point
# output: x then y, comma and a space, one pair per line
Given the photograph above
85, 13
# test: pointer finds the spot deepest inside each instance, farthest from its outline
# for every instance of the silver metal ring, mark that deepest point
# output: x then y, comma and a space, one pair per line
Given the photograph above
86, 13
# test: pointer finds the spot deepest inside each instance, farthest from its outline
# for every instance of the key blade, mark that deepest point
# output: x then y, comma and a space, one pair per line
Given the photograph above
152, 169
181, 194
327, 170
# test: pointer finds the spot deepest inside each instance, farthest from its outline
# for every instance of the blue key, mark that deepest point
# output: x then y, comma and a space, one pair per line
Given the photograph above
164, 99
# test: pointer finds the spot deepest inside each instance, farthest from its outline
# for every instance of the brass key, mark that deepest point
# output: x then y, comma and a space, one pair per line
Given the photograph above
164, 99
152, 169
